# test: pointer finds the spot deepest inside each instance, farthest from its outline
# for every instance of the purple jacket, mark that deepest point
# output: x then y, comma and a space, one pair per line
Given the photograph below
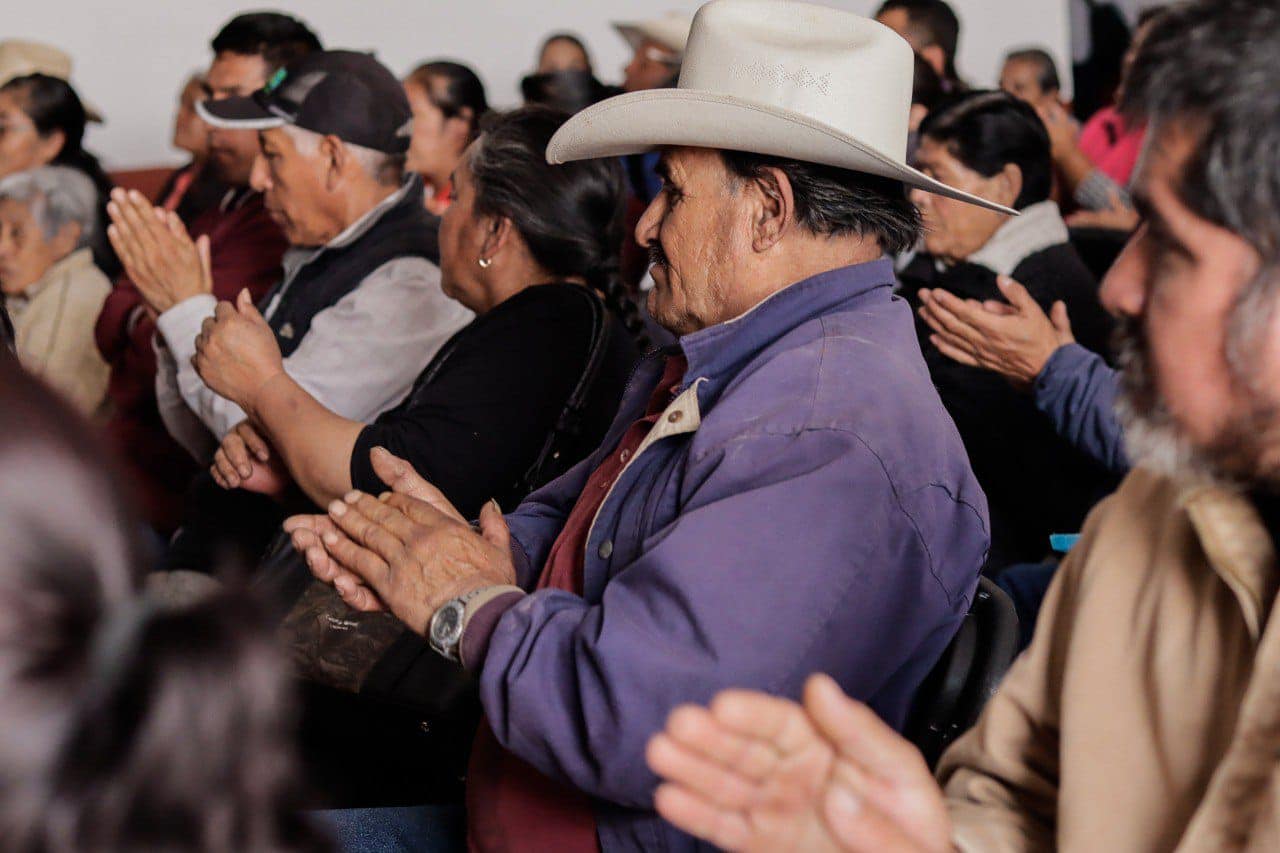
810, 509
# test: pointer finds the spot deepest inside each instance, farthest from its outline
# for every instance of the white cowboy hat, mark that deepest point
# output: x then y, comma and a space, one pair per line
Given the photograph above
671, 31
18, 58
789, 79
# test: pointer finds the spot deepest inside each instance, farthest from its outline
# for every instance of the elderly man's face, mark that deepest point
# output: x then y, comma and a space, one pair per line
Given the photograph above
698, 234
232, 152
25, 253
1202, 368
651, 67
292, 180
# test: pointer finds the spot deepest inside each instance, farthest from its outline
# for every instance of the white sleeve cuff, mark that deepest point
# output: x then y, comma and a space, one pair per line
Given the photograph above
181, 324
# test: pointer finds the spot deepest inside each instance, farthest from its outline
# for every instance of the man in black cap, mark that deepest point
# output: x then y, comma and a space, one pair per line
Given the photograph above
359, 310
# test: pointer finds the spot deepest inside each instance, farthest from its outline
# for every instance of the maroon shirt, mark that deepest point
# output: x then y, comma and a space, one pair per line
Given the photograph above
510, 805
245, 247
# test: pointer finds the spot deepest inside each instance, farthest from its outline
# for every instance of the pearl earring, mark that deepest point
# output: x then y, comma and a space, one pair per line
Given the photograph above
485, 263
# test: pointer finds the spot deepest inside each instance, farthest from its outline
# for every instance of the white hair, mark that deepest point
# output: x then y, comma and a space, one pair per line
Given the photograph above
56, 196
381, 167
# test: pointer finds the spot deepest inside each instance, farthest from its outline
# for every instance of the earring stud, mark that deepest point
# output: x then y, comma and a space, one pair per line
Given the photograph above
485, 263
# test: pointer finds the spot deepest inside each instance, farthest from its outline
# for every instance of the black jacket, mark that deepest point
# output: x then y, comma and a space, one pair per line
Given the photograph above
1036, 483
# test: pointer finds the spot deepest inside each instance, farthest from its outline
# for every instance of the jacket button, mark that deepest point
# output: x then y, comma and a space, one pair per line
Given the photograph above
675, 417
606, 548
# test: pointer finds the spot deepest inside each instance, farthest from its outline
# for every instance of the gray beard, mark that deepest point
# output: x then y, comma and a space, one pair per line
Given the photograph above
1155, 441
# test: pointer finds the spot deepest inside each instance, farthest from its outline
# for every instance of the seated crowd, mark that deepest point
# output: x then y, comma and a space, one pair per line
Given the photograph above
630, 469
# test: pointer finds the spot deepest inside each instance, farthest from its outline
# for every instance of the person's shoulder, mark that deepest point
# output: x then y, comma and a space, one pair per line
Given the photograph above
1054, 266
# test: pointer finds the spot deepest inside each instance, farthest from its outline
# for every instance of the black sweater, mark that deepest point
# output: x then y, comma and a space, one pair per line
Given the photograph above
1036, 483
479, 414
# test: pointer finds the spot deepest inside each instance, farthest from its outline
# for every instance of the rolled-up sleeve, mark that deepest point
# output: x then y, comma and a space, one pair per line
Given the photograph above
1077, 391
839, 579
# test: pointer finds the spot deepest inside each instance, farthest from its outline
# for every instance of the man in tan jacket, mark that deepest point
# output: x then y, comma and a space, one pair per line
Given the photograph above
50, 286
1146, 713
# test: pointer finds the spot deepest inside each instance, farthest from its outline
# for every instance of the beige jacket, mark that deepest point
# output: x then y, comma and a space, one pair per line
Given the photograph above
53, 324
1146, 713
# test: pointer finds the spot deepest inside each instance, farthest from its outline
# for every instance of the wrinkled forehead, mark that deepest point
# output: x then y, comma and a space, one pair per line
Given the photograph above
16, 211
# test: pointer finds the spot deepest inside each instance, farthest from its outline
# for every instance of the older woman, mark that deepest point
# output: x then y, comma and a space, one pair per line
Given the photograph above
995, 145
51, 288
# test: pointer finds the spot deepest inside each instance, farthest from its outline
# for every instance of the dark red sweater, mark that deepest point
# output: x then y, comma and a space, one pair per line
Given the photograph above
245, 247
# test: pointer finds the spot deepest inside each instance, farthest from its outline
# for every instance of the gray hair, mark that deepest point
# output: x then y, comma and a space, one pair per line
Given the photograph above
56, 196
387, 169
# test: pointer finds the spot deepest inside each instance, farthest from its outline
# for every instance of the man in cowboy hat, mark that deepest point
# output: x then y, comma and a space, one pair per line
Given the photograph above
657, 47
780, 491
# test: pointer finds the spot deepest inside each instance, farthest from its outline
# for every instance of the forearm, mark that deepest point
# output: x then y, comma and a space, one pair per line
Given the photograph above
1074, 167
314, 442
1077, 391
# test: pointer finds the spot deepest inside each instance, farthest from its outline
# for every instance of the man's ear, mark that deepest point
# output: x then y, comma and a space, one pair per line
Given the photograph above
336, 158
1006, 185
773, 208
498, 232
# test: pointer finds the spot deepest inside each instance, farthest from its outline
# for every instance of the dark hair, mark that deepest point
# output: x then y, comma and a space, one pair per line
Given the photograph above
568, 91
570, 216
569, 37
835, 201
988, 130
1208, 68
128, 724
934, 23
53, 106
926, 85
278, 39
462, 90
1046, 68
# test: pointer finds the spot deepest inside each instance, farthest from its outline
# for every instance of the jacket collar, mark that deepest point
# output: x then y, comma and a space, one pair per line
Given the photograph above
716, 353
1237, 546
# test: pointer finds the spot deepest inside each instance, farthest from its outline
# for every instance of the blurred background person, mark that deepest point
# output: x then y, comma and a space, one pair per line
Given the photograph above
52, 290
193, 188
42, 123
448, 100
933, 31
129, 723
1031, 75
563, 52
994, 145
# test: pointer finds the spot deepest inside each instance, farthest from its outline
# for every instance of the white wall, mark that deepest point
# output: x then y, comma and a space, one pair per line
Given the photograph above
132, 54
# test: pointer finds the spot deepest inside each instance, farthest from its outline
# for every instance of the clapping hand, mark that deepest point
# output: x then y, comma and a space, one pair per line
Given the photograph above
158, 254
408, 551
1013, 338
753, 772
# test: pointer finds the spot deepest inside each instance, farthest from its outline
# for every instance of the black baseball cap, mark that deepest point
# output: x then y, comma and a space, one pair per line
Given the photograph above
345, 93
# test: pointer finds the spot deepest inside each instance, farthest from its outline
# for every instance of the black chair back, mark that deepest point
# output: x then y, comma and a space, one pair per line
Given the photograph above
967, 675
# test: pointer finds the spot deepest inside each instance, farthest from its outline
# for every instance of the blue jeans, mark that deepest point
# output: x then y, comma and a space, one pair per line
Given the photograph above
437, 828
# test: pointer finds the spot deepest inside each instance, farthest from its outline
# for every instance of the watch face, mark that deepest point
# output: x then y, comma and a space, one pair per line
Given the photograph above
447, 624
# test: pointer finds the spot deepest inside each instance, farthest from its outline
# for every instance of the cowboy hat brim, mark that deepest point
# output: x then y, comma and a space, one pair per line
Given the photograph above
638, 122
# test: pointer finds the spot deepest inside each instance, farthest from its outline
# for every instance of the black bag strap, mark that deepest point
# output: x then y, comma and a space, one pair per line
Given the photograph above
568, 426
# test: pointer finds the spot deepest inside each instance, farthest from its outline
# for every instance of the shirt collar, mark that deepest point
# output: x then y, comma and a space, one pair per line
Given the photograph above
714, 353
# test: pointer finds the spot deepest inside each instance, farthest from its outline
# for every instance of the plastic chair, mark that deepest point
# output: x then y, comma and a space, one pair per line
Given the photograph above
966, 676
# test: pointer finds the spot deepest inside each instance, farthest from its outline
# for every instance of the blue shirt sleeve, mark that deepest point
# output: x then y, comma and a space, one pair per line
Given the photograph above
1077, 391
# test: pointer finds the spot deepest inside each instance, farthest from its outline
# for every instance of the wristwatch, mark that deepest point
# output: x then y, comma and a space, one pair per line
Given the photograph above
444, 633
